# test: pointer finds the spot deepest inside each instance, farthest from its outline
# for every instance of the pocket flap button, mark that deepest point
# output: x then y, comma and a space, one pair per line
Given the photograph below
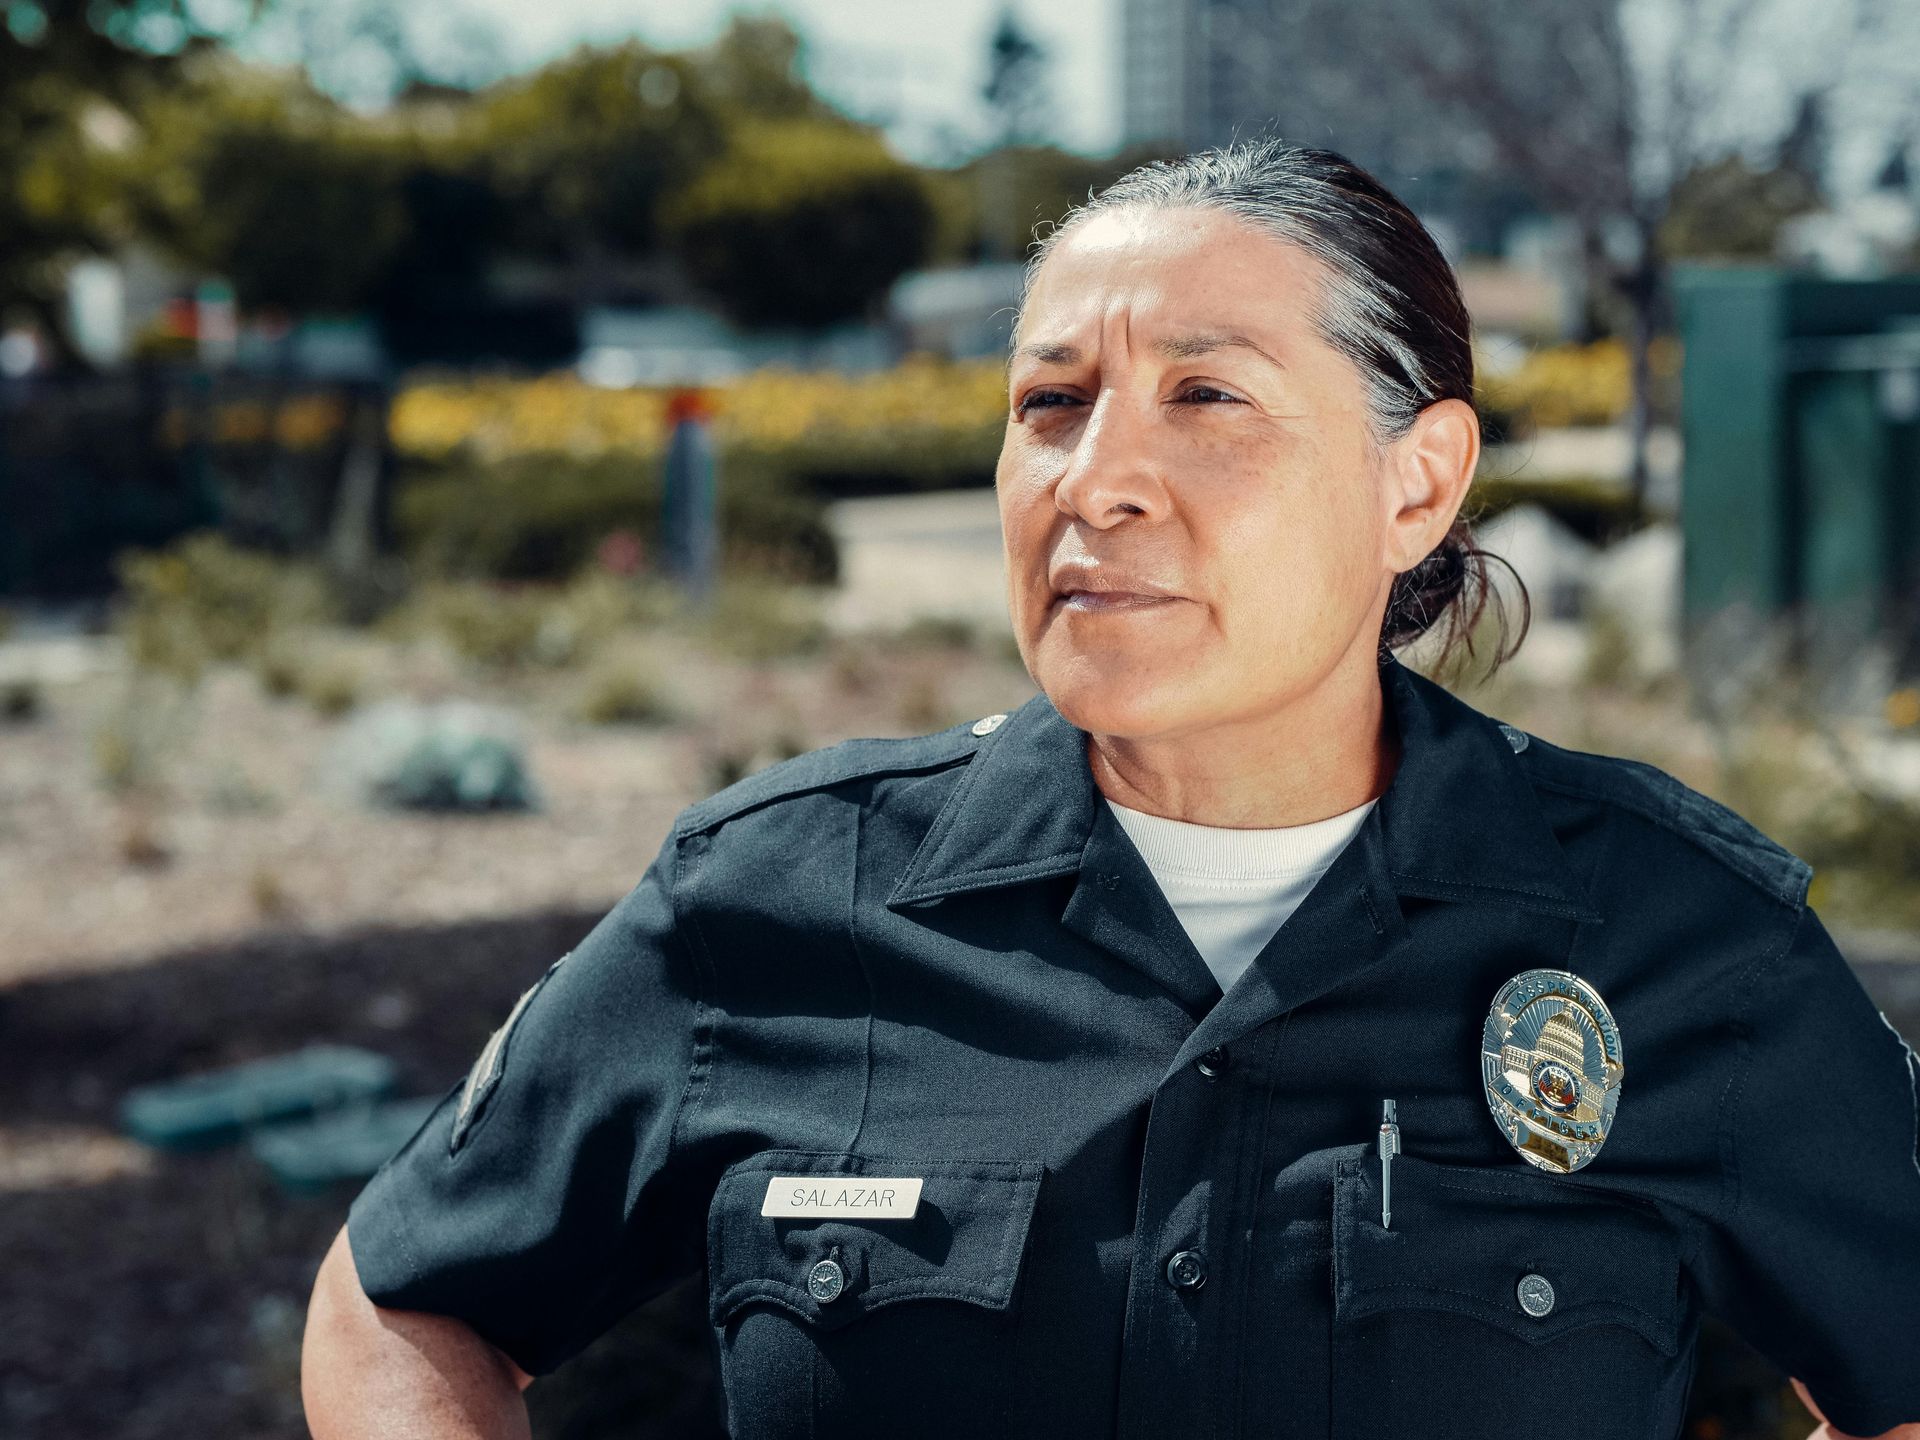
1536, 1295
826, 1280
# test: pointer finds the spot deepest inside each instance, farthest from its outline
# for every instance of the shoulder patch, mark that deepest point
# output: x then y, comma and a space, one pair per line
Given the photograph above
820, 769
1653, 794
489, 1064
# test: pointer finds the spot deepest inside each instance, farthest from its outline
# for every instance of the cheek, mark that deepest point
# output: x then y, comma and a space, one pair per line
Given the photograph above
1026, 511
1309, 553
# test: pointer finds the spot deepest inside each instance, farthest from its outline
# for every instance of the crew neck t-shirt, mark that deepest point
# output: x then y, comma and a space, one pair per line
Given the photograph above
1232, 888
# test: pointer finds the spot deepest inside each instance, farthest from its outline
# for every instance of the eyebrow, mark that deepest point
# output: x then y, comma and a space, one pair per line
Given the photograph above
1174, 347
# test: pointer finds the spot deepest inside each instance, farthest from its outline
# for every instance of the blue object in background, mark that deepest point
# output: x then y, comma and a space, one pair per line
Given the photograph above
310, 1156
218, 1107
689, 529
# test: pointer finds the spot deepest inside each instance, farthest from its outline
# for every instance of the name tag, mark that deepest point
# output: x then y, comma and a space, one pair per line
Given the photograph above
871, 1197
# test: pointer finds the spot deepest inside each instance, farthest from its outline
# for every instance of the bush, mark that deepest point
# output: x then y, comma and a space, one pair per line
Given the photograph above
453, 756
1562, 385
495, 625
925, 424
331, 681
543, 516
1599, 511
508, 626
761, 620
203, 600
624, 690
801, 223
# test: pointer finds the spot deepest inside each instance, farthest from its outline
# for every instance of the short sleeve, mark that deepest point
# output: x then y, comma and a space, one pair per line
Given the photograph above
544, 1198
1816, 1261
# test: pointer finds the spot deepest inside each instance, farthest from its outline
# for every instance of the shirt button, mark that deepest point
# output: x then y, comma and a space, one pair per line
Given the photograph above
1186, 1270
988, 725
1536, 1295
1213, 1063
826, 1280
1515, 738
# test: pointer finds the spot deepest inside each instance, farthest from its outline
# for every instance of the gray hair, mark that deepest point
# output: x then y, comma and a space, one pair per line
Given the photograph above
1390, 301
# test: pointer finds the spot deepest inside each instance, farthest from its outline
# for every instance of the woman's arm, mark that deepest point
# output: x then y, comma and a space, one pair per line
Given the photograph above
368, 1371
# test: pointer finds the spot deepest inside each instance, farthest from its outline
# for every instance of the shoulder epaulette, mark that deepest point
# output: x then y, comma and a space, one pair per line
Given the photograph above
1655, 795
829, 766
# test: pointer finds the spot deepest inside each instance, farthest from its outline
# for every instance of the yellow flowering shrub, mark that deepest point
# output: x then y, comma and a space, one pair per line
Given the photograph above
489, 418
1563, 385
923, 405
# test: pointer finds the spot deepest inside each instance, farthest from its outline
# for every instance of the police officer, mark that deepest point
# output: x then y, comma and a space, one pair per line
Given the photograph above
980, 1118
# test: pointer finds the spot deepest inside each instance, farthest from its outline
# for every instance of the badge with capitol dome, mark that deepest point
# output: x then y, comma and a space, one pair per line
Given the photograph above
1550, 1055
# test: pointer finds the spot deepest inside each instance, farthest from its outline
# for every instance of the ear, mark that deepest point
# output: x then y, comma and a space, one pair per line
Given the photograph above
1426, 473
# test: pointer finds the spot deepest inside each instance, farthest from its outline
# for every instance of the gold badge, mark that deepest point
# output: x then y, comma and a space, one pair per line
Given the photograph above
1550, 1056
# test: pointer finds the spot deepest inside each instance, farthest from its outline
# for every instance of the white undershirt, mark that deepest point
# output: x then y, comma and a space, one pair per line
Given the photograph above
1232, 889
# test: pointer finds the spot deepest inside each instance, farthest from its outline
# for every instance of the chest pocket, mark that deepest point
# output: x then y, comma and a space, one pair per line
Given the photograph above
906, 1324
1498, 1297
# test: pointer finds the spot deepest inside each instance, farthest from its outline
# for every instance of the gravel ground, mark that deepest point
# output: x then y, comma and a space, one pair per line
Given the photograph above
255, 826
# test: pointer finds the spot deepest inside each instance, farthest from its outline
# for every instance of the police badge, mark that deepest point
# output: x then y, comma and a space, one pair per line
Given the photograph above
1550, 1056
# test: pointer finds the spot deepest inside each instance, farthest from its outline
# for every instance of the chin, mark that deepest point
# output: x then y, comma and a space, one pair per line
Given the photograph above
1109, 700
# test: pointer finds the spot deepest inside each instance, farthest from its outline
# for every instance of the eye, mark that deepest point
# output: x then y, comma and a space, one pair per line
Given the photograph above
1207, 394
1043, 400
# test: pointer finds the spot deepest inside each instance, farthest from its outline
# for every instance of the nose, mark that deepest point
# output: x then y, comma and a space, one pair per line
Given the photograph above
1112, 472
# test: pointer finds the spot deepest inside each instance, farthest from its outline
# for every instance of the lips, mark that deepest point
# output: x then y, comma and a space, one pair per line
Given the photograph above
1103, 601
1090, 587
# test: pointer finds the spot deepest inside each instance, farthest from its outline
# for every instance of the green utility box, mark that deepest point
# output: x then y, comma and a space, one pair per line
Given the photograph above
1800, 420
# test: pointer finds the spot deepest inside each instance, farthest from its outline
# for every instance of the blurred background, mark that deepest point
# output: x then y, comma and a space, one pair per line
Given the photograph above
439, 442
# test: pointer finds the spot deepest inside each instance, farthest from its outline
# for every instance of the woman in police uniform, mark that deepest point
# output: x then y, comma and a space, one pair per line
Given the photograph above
904, 1043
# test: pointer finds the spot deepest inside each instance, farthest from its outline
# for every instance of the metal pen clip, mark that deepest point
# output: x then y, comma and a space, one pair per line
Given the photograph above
1389, 1147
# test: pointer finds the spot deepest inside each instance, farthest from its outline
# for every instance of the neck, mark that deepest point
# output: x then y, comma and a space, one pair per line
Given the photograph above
1324, 752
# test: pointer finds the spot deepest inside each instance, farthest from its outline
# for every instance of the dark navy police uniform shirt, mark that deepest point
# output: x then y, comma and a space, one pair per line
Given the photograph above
1148, 1209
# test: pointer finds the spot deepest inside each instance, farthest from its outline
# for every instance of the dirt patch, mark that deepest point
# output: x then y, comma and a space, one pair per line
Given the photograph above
152, 1295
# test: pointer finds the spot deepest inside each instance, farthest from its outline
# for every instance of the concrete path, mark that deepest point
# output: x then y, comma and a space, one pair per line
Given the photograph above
909, 557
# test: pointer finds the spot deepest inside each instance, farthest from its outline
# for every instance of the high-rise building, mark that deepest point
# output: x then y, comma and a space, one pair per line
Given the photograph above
1196, 73
1199, 73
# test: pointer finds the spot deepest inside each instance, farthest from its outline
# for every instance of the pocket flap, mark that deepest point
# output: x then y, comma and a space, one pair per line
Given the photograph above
964, 1241
1463, 1239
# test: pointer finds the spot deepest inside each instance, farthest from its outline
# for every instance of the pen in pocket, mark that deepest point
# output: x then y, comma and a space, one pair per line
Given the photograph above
1389, 1147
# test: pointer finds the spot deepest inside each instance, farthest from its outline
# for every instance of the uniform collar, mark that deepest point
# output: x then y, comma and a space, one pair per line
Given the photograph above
1458, 821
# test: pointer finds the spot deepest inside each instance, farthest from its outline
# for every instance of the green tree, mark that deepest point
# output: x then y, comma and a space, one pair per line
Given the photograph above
1730, 210
68, 73
1035, 186
801, 223
754, 71
253, 175
584, 150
